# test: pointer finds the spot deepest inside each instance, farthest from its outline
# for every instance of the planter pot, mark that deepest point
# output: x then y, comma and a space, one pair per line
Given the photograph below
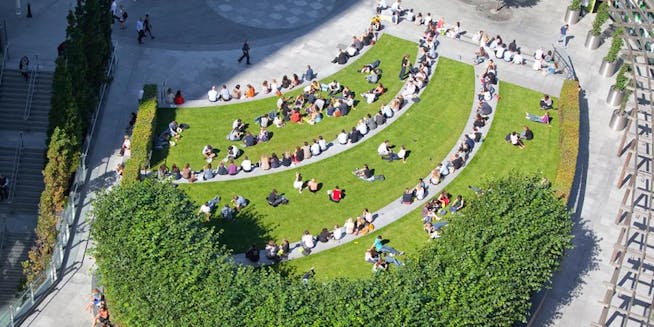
571, 16
592, 41
607, 69
615, 96
619, 120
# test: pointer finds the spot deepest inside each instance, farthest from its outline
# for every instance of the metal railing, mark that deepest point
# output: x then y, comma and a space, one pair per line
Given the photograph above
30, 89
5, 54
13, 180
16, 312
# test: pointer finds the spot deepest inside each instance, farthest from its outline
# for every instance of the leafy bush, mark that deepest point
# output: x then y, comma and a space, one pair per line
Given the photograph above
621, 79
616, 45
569, 137
77, 78
161, 266
601, 17
575, 5
142, 134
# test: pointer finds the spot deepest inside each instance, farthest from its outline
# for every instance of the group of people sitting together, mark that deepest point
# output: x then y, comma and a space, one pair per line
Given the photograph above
273, 87
399, 13
381, 256
495, 47
170, 136
433, 212
362, 225
357, 44
517, 139
228, 211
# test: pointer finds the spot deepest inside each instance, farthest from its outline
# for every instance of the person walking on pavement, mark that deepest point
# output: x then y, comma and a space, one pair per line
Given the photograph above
140, 30
148, 26
564, 35
246, 53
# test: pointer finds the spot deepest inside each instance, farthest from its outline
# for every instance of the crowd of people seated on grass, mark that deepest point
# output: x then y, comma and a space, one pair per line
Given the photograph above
357, 44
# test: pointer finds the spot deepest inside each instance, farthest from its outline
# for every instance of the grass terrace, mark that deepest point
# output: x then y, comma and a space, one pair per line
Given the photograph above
496, 158
210, 125
429, 129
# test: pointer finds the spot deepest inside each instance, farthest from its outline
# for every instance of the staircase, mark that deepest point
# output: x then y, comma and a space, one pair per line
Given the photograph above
29, 181
13, 95
14, 251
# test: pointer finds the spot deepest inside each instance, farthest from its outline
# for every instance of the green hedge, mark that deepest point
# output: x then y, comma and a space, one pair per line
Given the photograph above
569, 136
77, 78
161, 266
142, 133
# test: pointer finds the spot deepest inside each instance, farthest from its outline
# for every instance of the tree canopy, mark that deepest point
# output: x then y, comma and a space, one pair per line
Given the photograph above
160, 265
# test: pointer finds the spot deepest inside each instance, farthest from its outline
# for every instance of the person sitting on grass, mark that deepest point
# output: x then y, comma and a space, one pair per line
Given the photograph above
208, 153
252, 253
407, 196
457, 204
275, 199
239, 202
526, 133
298, 183
246, 165
364, 173
284, 249
227, 212
444, 199
379, 266
370, 67
546, 102
371, 255
335, 195
334, 87
313, 185
188, 173
514, 138
381, 248
249, 139
373, 94
232, 168
208, 172
384, 150
208, 207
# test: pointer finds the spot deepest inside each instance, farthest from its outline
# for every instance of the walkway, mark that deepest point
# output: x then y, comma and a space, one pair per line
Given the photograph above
194, 61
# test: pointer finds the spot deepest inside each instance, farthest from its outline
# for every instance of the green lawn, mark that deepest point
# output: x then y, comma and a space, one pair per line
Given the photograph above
495, 158
429, 129
210, 125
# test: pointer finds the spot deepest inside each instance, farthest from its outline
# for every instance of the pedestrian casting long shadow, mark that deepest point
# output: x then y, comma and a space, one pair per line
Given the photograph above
244, 230
583, 257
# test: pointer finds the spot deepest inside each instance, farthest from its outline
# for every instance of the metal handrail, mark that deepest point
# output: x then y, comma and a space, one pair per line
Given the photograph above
30, 89
14, 174
5, 53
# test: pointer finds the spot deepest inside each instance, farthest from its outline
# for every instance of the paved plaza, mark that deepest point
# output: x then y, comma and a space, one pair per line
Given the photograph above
197, 43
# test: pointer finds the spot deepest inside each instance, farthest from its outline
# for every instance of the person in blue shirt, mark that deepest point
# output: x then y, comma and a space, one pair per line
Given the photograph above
380, 247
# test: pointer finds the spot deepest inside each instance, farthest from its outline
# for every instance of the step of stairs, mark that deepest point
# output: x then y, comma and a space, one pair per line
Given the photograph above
13, 97
15, 248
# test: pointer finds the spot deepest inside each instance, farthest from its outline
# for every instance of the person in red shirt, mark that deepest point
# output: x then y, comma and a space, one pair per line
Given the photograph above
296, 117
179, 99
336, 194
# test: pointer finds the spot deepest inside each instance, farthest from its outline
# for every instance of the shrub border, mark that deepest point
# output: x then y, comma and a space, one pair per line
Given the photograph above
568, 138
141, 139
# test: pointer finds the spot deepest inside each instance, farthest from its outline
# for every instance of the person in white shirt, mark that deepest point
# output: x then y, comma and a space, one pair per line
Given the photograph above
428, 18
342, 137
224, 94
395, 7
307, 240
538, 55
362, 127
246, 165
315, 148
384, 149
338, 232
518, 59
322, 143
213, 94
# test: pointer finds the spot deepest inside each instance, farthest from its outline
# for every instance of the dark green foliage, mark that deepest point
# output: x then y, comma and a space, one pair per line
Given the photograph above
575, 5
79, 73
161, 266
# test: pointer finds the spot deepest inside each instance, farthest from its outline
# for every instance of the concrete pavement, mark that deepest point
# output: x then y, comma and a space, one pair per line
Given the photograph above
193, 61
